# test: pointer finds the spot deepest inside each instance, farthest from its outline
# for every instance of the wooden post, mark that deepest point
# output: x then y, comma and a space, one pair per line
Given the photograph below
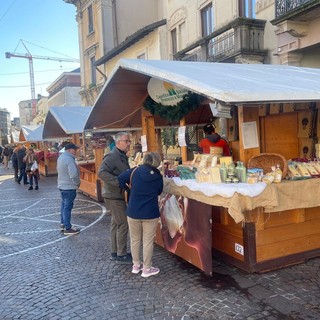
184, 150
148, 129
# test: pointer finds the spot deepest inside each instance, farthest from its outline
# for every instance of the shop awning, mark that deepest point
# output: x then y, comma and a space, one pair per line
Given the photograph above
61, 122
32, 133
119, 102
15, 136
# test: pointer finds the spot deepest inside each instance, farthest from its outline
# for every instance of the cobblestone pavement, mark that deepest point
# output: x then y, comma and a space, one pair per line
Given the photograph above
45, 275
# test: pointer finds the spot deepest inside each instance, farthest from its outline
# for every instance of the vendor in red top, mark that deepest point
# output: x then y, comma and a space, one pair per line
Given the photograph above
213, 139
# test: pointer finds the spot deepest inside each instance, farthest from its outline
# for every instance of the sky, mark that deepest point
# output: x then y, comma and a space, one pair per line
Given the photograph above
47, 28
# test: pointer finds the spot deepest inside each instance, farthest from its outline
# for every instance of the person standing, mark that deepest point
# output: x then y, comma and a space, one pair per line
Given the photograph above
68, 183
143, 210
15, 165
6, 156
33, 174
112, 165
22, 165
212, 139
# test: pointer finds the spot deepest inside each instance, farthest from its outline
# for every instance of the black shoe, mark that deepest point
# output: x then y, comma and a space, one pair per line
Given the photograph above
113, 256
71, 231
30, 188
36, 188
62, 227
127, 259
18, 182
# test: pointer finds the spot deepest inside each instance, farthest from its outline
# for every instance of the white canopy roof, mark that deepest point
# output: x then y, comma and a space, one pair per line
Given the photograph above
64, 121
121, 98
15, 136
32, 133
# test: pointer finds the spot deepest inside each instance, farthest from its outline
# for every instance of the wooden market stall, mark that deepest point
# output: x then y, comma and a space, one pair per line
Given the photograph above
68, 123
274, 110
32, 135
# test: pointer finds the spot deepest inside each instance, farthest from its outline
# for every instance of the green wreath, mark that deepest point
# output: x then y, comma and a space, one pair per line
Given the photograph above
189, 102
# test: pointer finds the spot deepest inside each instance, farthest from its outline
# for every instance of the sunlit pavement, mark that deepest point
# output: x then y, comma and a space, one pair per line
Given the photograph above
46, 275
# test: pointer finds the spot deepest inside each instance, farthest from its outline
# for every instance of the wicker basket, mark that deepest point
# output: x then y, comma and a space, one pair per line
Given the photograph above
266, 160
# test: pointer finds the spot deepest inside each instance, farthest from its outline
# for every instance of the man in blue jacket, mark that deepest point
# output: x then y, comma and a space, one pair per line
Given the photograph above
68, 183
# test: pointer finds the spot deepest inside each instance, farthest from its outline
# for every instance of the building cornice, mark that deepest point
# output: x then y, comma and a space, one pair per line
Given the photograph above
135, 37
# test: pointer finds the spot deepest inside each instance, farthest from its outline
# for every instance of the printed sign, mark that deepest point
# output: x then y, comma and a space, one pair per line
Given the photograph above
165, 93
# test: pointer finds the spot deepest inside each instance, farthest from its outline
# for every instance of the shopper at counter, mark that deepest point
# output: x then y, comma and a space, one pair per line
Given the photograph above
114, 163
143, 210
212, 139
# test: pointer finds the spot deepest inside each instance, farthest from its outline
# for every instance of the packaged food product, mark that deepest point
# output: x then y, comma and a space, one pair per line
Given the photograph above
277, 174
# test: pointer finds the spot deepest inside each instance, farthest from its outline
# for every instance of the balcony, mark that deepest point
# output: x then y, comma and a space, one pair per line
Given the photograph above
242, 38
297, 10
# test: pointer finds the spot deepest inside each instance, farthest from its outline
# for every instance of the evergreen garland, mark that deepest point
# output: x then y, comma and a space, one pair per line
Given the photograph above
190, 102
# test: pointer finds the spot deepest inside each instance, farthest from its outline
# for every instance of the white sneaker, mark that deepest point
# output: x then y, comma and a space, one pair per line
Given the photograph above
136, 269
149, 272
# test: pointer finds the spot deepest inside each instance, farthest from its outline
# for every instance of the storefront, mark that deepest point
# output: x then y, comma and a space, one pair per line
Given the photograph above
32, 136
269, 106
67, 123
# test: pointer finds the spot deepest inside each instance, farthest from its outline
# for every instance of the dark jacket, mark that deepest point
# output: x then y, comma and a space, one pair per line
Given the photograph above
20, 155
146, 186
14, 160
112, 165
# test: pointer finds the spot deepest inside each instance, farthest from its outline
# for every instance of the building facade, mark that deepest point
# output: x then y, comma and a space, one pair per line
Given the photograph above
103, 26
42, 110
25, 112
233, 31
65, 90
5, 126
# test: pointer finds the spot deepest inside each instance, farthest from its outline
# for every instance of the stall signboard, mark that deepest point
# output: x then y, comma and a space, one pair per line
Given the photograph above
165, 93
182, 221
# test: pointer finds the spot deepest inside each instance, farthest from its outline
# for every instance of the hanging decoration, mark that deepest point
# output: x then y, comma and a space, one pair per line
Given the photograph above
190, 102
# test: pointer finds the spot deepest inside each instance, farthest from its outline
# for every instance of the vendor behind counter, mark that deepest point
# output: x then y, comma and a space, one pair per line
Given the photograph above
213, 139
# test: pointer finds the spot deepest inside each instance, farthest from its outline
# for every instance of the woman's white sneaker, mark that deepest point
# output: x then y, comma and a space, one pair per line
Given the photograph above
136, 269
149, 272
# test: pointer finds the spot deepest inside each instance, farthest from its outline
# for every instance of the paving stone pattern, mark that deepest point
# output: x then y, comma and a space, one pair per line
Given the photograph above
46, 275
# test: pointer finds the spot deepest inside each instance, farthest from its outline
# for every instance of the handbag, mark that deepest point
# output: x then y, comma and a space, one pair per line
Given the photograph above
34, 166
126, 192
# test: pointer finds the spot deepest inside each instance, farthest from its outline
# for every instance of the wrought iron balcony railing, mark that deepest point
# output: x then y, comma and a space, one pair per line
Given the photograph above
240, 36
285, 6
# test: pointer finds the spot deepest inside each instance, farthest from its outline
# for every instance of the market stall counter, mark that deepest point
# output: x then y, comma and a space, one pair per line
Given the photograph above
267, 227
90, 183
47, 161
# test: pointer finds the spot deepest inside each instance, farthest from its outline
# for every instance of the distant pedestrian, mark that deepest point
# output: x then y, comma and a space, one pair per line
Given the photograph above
68, 183
22, 165
6, 156
143, 210
14, 161
112, 165
32, 169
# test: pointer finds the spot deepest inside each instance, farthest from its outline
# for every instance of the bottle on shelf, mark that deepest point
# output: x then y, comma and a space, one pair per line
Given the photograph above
242, 173
223, 172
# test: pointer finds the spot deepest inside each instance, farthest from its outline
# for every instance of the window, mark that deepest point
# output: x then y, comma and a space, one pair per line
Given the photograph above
183, 36
207, 23
247, 8
174, 42
90, 19
93, 70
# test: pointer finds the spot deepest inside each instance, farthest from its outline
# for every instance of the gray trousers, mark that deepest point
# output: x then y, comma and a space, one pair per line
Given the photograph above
145, 231
119, 226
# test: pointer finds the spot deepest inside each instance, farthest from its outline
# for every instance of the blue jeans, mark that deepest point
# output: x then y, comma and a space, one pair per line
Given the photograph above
67, 199
23, 175
35, 178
